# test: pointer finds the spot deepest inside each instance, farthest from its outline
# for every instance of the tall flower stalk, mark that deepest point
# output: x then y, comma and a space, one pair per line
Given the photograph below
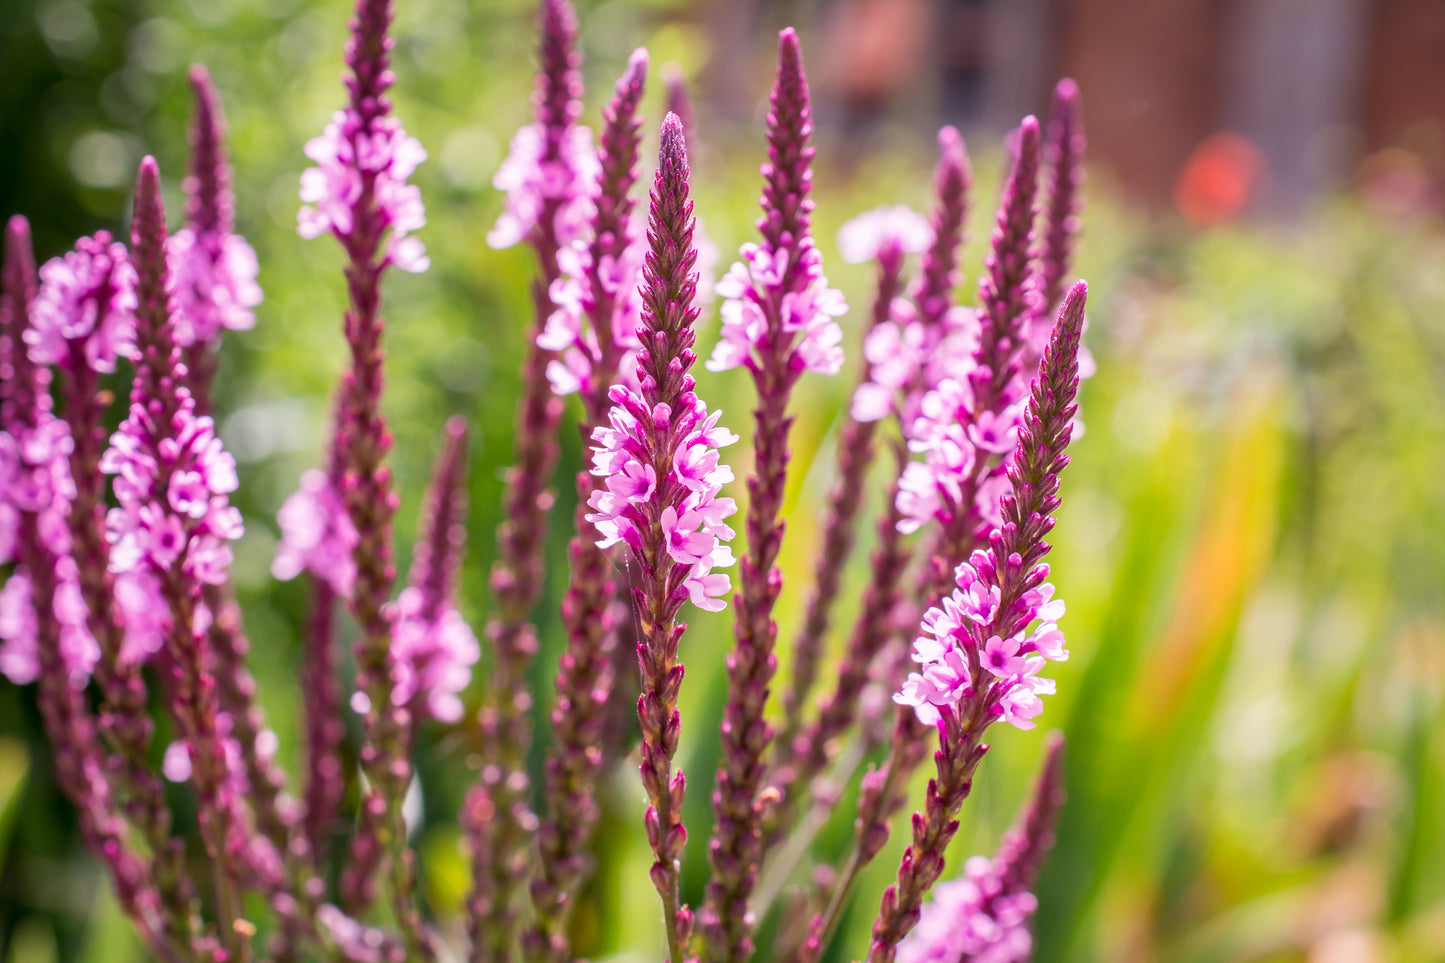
548, 177
358, 193
778, 322
172, 530
658, 458
595, 328
990, 638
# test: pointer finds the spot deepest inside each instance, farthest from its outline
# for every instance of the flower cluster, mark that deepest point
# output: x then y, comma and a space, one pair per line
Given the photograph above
685, 499
351, 156
869, 234
533, 181
971, 919
760, 284
434, 653
317, 535
963, 660
171, 483
213, 292
907, 356
568, 332
85, 307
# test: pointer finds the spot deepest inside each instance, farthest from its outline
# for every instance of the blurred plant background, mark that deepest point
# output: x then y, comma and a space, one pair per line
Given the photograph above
1253, 539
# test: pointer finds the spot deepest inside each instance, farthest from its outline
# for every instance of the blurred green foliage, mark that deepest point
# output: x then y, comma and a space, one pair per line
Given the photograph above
1252, 545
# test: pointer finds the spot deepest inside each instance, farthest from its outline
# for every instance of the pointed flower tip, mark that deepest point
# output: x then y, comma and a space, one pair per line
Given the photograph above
1066, 91
1029, 133
952, 152
147, 183
456, 429
559, 19
790, 51
674, 140
200, 77
637, 62
17, 232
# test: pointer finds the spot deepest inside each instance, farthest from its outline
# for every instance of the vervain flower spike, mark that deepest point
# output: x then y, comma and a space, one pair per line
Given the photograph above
173, 526
549, 178
42, 620
600, 309
983, 916
904, 346
213, 269
659, 462
432, 646
967, 423
82, 323
983, 648
358, 192
887, 236
778, 321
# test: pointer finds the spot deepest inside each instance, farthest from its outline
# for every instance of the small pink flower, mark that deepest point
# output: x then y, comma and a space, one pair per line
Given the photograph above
1001, 657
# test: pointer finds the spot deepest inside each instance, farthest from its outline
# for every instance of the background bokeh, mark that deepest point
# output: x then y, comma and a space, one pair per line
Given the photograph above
1253, 540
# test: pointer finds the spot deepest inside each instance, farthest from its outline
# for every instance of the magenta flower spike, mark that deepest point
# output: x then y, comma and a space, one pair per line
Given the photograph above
549, 176
1063, 152
982, 649
83, 321
926, 335
172, 527
887, 236
42, 614
1064, 146
358, 192
433, 647
599, 312
968, 421
213, 269
659, 462
778, 321
983, 915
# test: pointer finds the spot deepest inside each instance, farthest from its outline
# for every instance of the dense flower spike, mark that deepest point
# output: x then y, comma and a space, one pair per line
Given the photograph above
988, 664
966, 425
213, 270
887, 235
553, 171
777, 322
594, 329
42, 614
599, 312
927, 335
433, 646
83, 322
660, 462
174, 524
983, 916
358, 193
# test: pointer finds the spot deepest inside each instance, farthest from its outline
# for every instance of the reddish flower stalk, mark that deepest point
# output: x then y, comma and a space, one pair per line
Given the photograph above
172, 529
778, 323
584, 677
359, 193
214, 269
433, 646
63, 649
798, 759
1064, 146
983, 915
548, 176
1001, 592
662, 478
887, 369
82, 321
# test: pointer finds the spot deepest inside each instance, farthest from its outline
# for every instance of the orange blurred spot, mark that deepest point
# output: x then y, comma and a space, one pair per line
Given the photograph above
1218, 179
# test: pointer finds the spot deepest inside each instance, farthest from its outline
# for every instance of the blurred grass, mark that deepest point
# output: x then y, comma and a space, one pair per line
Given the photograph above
1251, 545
